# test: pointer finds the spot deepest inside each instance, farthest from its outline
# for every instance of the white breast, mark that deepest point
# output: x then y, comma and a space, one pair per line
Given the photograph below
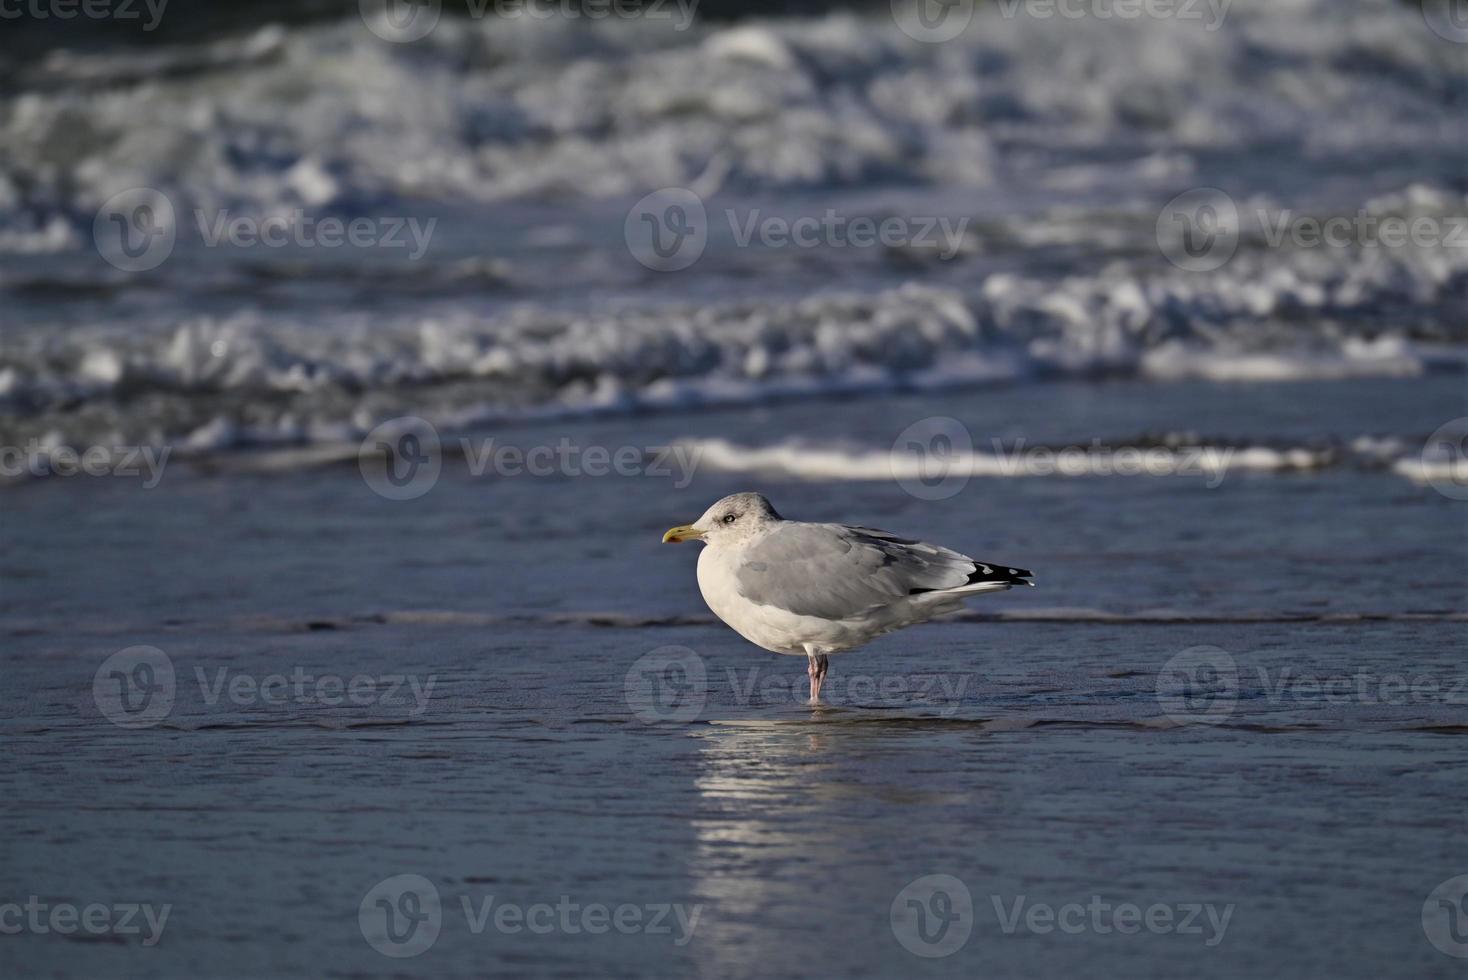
770, 627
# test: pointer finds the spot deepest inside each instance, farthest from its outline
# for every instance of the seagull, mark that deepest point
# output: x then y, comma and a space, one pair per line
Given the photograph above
816, 589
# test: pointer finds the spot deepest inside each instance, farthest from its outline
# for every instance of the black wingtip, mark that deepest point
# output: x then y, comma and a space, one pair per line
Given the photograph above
1000, 573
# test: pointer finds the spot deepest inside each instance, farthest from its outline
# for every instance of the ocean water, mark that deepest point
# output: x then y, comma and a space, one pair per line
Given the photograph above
1057, 186
1245, 697
359, 655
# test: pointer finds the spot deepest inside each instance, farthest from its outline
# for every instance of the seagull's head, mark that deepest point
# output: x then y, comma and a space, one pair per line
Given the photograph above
735, 518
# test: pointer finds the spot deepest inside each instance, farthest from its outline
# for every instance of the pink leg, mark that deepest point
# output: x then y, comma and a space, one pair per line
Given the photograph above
817, 672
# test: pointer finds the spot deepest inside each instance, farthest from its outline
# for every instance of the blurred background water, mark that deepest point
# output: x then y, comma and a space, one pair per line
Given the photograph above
519, 149
577, 235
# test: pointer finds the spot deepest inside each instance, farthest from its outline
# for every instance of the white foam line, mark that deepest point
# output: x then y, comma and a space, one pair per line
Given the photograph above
830, 463
1420, 470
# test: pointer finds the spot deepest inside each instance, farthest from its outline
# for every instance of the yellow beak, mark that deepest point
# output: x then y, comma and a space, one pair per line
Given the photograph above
682, 532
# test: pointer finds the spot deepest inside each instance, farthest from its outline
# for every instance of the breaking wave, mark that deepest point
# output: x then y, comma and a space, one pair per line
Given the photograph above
1061, 138
510, 108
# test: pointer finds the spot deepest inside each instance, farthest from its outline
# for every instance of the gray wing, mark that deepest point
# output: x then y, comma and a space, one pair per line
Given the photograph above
835, 571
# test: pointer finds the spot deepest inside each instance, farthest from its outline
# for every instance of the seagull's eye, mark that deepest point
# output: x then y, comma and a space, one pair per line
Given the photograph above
728, 518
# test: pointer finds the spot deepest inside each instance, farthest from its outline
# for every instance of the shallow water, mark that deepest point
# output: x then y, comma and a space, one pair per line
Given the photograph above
1323, 826
1247, 699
